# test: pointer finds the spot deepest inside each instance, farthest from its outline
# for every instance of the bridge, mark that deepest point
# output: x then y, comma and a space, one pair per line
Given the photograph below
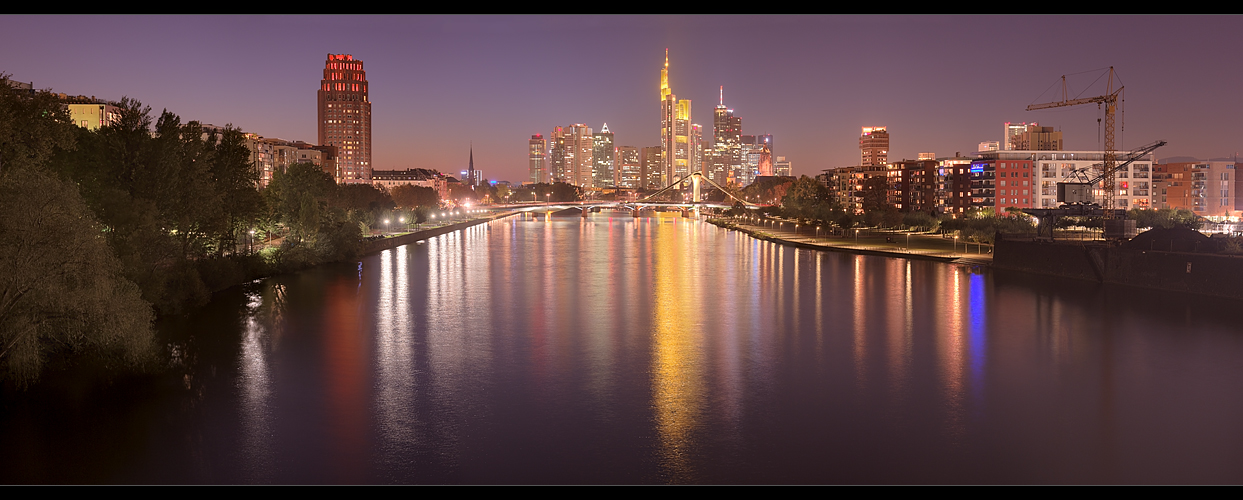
647, 202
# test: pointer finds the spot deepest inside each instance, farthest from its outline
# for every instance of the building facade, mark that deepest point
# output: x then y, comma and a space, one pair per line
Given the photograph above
604, 159
874, 146
675, 130
629, 167
537, 165
345, 117
1204, 187
389, 179
726, 158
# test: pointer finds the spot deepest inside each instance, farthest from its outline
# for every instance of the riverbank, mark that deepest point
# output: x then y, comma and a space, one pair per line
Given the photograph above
869, 242
1130, 264
376, 246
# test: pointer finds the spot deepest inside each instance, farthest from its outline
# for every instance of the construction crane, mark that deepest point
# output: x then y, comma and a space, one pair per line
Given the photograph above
1076, 188
1110, 101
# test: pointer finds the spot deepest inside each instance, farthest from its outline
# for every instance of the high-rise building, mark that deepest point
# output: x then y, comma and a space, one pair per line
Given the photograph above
629, 168
537, 169
682, 141
603, 158
781, 167
650, 177
579, 154
675, 130
556, 156
1013, 129
345, 117
874, 146
727, 141
571, 154
696, 143
1036, 139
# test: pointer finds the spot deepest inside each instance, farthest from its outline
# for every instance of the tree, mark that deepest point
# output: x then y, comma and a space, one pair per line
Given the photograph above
805, 197
32, 128
410, 196
236, 181
1166, 218
875, 195
61, 288
299, 197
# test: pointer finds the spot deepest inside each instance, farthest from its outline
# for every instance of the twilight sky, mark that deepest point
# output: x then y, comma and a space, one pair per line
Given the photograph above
939, 83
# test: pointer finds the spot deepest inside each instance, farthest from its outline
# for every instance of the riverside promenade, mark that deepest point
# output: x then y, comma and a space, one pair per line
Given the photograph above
878, 242
398, 239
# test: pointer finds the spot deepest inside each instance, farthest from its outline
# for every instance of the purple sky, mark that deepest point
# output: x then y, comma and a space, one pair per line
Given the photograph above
939, 83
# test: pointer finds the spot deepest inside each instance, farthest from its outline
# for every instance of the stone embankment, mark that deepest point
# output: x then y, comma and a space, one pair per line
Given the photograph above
379, 245
923, 247
1153, 266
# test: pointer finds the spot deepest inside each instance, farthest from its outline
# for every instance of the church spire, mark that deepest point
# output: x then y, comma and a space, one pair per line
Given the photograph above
470, 169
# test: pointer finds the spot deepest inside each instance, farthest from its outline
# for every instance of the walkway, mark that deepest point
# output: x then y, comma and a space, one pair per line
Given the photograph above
870, 241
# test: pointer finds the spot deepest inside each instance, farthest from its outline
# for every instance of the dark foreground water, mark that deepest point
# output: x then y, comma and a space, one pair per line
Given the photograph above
619, 350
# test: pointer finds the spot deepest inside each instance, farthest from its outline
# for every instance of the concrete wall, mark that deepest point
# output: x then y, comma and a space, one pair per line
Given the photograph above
1200, 273
408, 238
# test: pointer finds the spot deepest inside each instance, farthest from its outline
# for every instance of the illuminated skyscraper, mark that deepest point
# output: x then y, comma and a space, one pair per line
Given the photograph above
571, 155
604, 158
345, 117
537, 170
629, 167
727, 143
675, 130
556, 156
874, 146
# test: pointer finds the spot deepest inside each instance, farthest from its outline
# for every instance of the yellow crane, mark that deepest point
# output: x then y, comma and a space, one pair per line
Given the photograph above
1110, 101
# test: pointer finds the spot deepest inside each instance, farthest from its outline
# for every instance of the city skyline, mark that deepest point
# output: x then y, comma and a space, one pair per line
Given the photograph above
938, 83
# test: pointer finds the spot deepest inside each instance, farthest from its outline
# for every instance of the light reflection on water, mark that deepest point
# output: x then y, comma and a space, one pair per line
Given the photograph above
623, 350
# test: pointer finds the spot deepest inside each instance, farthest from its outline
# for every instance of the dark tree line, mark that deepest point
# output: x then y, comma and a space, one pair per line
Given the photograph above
62, 288
101, 229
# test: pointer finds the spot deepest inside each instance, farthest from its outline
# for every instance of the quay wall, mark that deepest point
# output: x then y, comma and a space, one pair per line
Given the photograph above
1188, 272
408, 238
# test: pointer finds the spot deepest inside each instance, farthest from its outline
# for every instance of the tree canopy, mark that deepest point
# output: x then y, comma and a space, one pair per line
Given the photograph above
61, 286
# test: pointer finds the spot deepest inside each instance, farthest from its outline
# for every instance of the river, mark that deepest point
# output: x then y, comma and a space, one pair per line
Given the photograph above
657, 350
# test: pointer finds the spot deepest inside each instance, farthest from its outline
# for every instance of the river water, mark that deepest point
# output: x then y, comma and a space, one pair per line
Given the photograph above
658, 350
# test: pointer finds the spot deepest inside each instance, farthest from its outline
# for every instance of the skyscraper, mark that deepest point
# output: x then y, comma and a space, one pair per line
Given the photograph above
556, 156
629, 167
874, 146
345, 117
571, 155
727, 135
675, 130
604, 158
537, 170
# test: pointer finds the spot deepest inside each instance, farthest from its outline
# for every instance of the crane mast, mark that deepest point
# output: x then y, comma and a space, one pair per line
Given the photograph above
1110, 102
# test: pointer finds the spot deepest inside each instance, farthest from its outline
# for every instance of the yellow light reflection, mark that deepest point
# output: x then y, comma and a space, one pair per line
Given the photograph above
677, 378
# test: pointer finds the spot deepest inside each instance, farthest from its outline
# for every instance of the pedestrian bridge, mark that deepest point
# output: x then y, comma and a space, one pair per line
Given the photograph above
647, 202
